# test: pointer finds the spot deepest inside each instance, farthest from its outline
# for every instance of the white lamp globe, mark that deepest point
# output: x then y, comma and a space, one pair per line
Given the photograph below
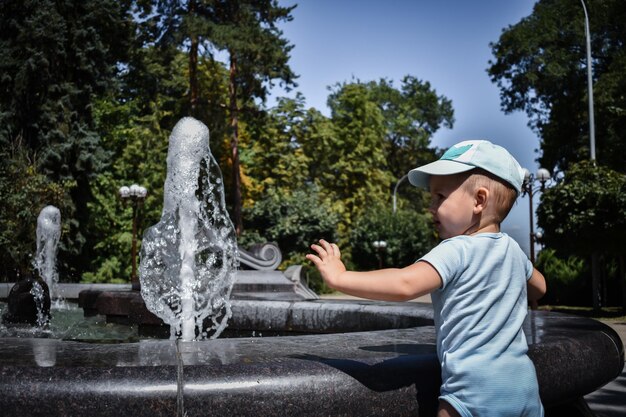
124, 191
543, 174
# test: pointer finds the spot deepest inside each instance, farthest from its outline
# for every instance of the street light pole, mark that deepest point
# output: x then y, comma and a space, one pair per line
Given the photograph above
532, 226
529, 188
380, 245
395, 191
592, 129
133, 251
136, 194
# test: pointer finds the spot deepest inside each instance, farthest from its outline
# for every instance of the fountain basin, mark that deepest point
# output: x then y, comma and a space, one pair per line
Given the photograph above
362, 373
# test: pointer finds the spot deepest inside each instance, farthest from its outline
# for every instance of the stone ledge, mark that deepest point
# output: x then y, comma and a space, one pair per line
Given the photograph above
386, 372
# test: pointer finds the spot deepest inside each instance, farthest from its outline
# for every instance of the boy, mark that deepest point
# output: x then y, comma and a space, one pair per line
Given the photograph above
479, 279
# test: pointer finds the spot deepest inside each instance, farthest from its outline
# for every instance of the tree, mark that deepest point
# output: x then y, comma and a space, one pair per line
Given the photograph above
376, 133
292, 219
56, 57
412, 114
408, 234
173, 26
139, 146
276, 158
540, 68
351, 161
257, 55
590, 205
135, 129
25, 191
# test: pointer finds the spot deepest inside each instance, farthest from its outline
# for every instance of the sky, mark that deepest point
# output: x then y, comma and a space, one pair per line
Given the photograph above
444, 42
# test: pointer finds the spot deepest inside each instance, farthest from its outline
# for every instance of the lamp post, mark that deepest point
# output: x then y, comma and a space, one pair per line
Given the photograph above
529, 187
136, 194
380, 245
395, 191
592, 130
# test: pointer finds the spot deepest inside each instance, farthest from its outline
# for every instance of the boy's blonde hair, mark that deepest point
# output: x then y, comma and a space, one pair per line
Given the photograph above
504, 195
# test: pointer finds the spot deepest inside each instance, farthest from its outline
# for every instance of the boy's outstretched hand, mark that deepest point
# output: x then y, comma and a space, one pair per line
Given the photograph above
327, 261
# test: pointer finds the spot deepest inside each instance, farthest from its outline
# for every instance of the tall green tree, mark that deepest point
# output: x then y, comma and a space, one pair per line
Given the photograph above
276, 158
56, 56
247, 31
176, 25
258, 56
174, 38
412, 113
353, 167
375, 134
135, 130
540, 67
585, 215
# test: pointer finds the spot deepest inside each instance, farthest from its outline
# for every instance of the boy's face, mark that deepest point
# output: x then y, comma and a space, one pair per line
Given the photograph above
452, 206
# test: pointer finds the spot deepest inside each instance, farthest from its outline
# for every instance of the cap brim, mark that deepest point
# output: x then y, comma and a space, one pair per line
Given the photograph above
419, 176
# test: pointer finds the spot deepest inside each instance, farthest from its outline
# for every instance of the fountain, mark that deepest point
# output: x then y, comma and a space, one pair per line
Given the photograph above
334, 358
48, 235
29, 298
188, 259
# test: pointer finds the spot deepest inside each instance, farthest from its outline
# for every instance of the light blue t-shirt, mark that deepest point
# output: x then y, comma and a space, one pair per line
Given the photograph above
478, 312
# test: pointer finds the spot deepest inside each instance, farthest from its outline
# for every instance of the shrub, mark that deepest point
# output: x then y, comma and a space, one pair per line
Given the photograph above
565, 278
408, 235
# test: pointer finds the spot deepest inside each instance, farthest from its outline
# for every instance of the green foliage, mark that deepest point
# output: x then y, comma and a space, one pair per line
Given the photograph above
565, 278
540, 67
408, 234
25, 191
352, 164
412, 113
90, 91
141, 149
259, 54
56, 56
292, 219
585, 212
135, 131
109, 272
275, 158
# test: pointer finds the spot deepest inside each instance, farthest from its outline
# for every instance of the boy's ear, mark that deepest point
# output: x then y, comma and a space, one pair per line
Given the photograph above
481, 196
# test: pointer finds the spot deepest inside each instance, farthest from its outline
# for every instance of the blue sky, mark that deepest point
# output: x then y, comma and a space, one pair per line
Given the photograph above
444, 42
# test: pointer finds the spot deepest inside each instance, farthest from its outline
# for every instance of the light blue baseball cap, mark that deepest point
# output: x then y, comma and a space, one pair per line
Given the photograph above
468, 155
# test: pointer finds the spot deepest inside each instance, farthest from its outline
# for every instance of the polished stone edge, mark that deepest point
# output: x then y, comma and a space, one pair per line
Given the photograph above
300, 316
352, 374
70, 291
573, 356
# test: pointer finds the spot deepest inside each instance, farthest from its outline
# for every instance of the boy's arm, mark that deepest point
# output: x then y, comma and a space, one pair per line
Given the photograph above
536, 286
394, 284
